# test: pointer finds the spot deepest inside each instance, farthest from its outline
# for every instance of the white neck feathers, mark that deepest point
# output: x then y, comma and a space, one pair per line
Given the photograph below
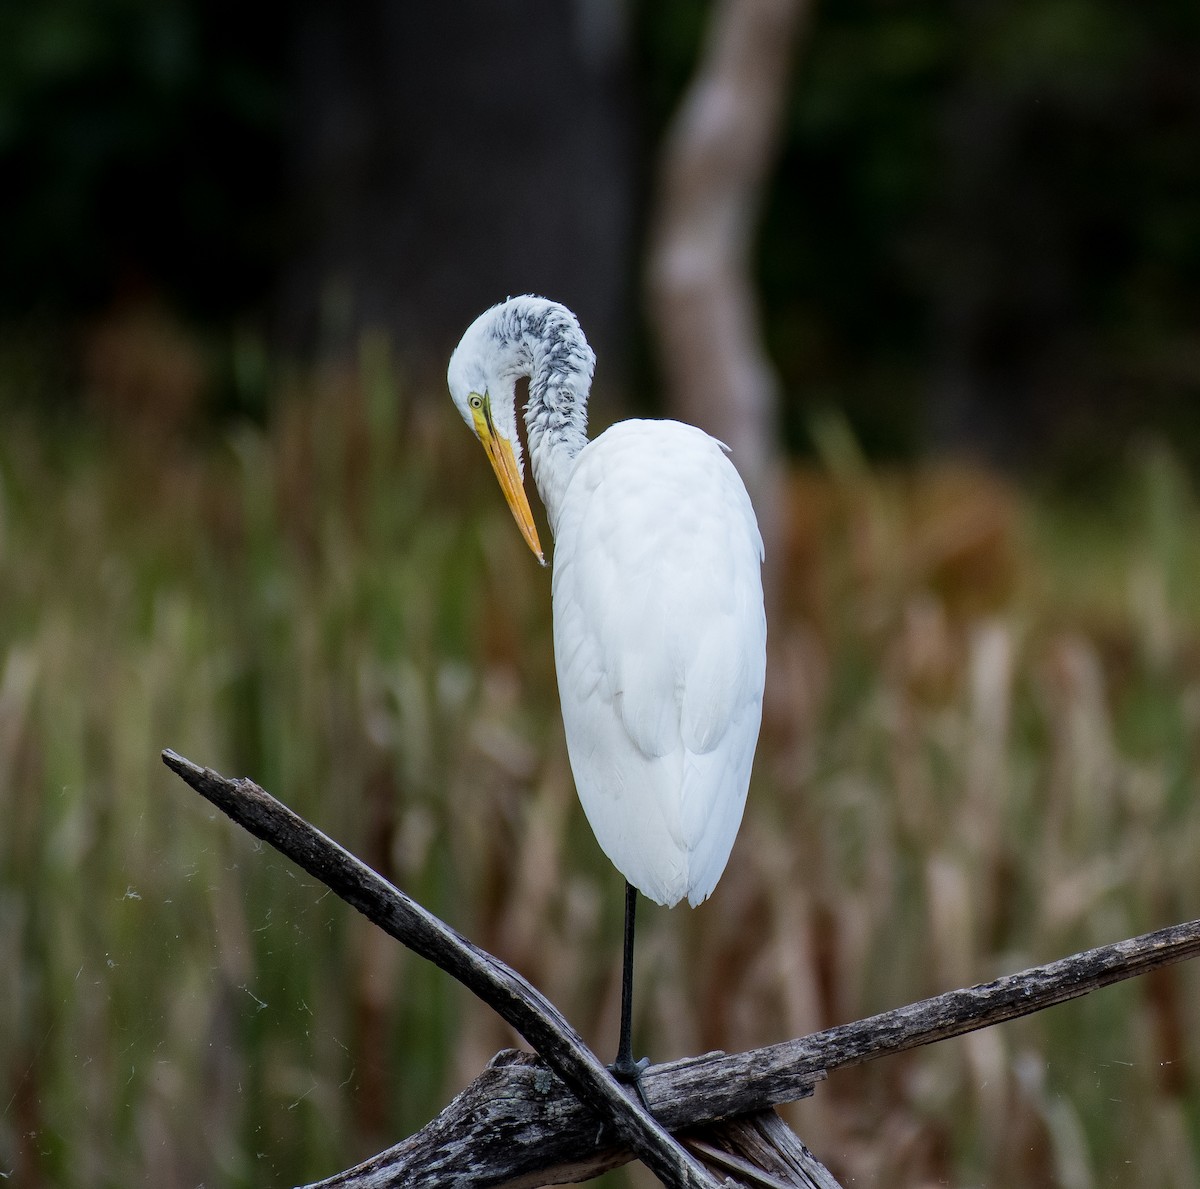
530, 336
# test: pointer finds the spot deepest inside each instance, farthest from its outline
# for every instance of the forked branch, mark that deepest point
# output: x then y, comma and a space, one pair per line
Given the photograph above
498, 985
697, 1091
578, 1131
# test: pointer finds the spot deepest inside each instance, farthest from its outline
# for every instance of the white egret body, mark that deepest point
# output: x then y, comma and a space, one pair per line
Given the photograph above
659, 644
659, 629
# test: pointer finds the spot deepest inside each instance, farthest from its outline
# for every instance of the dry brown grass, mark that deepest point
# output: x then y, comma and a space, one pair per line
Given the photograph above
978, 752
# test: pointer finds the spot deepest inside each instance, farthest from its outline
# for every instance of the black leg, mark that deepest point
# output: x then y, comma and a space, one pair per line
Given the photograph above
625, 1068
625, 1046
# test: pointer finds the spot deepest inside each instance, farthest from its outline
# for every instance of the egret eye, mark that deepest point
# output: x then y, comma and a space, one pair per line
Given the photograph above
475, 401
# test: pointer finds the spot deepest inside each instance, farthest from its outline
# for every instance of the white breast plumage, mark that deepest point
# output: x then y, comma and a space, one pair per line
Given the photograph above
659, 640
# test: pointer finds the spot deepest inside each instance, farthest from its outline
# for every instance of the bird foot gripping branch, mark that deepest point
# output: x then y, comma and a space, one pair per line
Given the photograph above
629, 1072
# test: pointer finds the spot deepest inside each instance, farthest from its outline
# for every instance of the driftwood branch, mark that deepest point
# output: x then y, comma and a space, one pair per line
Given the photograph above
513, 998
525, 1127
955, 1013
700, 1090
753, 1145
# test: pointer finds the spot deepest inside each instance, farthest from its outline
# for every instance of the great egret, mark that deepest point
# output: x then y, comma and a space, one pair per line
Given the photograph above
659, 629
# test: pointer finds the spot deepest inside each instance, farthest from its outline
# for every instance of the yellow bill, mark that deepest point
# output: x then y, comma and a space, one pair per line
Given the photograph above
504, 462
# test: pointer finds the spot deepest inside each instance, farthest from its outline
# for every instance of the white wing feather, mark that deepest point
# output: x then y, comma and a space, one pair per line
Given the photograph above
659, 642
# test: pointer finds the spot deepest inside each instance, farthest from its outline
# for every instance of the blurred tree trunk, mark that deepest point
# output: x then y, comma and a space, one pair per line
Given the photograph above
445, 156
702, 302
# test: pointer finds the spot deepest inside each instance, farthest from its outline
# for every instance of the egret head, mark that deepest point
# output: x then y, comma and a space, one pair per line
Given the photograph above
482, 377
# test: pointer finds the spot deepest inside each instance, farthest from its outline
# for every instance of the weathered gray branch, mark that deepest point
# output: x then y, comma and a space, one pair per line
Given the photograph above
954, 1013
498, 985
526, 1128
542, 1136
763, 1144
515, 1125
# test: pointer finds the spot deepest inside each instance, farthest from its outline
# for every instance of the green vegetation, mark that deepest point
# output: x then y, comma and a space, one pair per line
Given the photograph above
979, 752
980, 205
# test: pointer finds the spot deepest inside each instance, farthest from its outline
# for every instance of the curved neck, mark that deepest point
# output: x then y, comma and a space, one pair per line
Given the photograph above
548, 346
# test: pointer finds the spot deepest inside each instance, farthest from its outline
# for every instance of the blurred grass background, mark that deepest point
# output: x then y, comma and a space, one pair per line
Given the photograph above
979, 752
239, 518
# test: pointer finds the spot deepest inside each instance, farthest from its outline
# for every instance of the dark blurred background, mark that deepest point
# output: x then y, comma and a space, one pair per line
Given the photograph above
931, 270
982, 230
